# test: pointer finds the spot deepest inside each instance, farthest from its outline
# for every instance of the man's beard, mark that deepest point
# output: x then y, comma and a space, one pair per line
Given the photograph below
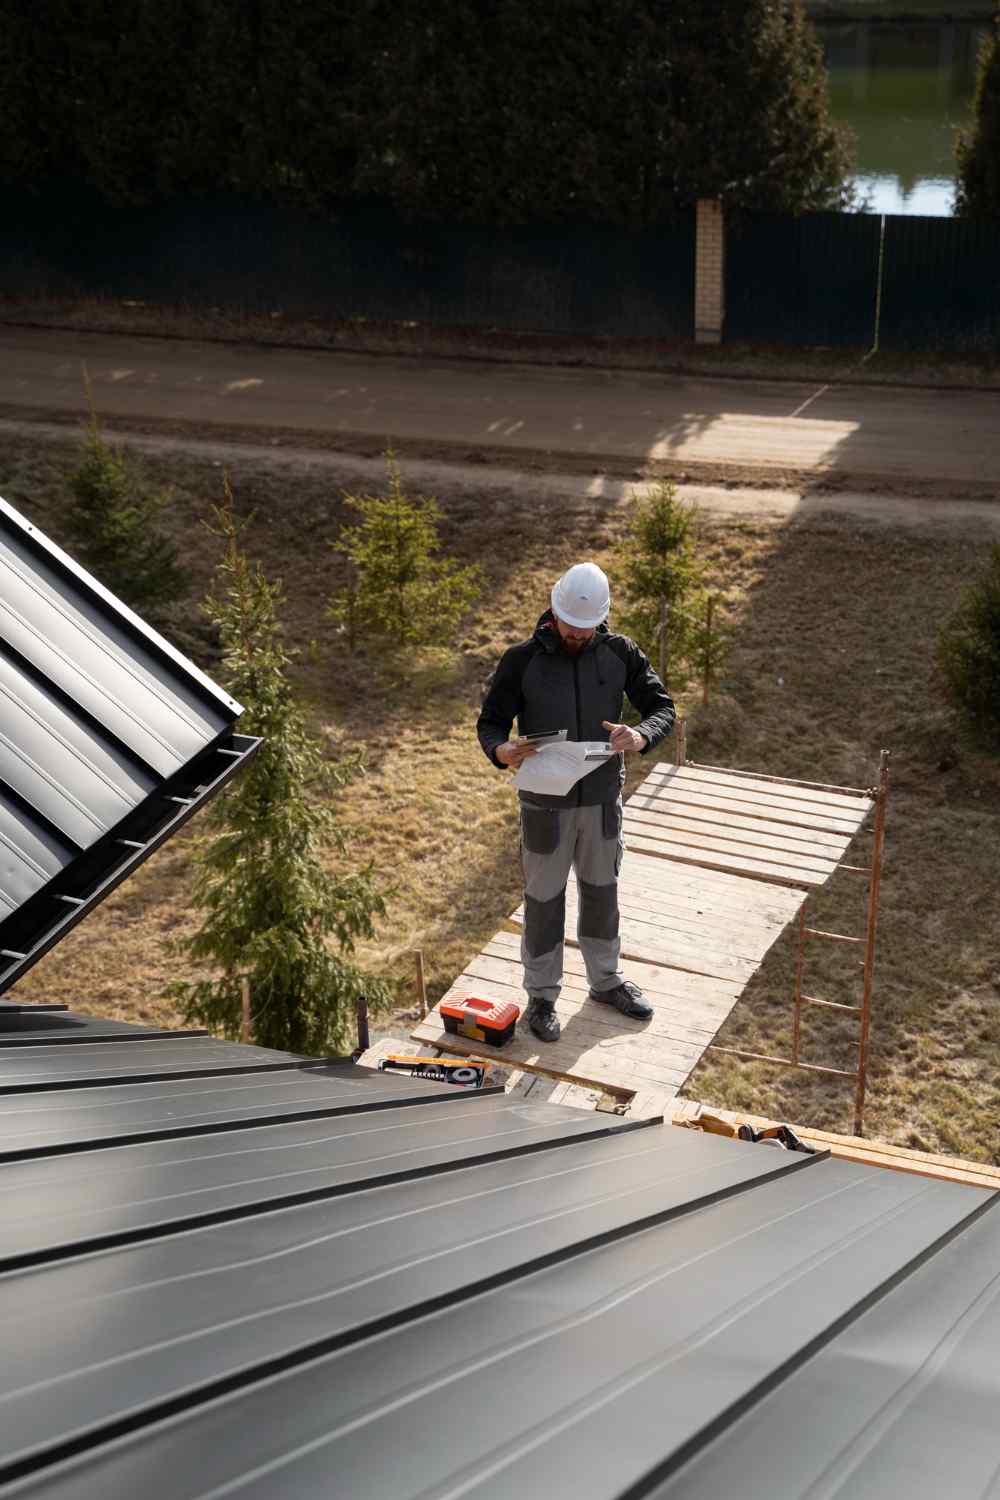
573, 648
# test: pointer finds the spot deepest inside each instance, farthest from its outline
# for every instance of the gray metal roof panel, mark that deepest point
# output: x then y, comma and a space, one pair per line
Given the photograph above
98, 603
63, 622
710, 1368
576, 1380
25, 1028
91, 768
48, 797
43, 1124
30, 704
46, 1067
109, 739
51, 1207
50, 626
904, 1401
38, 1008
30, 853
244, 1294
28, 933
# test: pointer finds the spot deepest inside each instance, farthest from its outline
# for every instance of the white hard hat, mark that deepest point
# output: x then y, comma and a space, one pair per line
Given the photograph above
582, 597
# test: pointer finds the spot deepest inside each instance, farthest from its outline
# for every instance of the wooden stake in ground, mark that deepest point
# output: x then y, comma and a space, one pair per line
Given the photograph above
364, 1035
245, 1028
707, 675
421, 983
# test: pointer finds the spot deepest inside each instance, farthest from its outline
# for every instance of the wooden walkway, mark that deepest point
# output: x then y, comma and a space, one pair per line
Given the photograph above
718, 864
777, 831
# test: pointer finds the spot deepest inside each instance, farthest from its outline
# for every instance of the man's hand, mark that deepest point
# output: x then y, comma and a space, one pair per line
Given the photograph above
623, 738
512, 754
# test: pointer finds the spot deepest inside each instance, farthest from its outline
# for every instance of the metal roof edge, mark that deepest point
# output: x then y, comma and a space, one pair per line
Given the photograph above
114, 857
114, 606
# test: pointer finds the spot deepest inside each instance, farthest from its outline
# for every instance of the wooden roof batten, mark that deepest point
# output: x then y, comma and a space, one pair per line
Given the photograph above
720, 861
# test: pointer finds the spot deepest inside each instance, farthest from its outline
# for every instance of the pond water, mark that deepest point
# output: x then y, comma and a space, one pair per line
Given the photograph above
904, 90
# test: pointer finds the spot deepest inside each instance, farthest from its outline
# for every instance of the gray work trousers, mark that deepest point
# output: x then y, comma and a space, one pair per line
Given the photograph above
555, 840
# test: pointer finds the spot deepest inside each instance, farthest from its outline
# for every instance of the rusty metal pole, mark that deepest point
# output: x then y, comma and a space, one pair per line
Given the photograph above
708, 650
872, 928
799, 964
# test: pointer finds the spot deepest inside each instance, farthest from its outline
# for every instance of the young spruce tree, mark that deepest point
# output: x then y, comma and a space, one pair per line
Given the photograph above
113, 525
661, 576
400, 592
273, 911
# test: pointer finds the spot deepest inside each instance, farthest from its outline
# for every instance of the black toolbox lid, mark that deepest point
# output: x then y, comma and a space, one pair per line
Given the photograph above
109, 740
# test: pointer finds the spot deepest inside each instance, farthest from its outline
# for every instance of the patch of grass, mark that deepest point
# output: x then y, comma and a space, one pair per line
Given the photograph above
833, 658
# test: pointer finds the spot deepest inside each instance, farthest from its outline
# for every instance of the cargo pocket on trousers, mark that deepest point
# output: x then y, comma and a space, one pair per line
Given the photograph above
539, 829
611, 828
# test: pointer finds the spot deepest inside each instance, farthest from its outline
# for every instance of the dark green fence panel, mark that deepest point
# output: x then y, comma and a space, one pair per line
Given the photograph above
359, 262
941, 285
807, 281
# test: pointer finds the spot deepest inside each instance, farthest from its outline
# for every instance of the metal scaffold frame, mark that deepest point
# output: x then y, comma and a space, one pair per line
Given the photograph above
879, 795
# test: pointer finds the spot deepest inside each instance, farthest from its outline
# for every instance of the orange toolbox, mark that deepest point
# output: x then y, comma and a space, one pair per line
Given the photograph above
491, 1021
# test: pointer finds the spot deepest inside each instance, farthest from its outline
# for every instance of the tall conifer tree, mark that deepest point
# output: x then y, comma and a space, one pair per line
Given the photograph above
643, 108
274, 912
496, 111
978, 147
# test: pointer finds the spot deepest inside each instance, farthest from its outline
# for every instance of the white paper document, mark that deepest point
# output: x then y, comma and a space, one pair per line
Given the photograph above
556, 769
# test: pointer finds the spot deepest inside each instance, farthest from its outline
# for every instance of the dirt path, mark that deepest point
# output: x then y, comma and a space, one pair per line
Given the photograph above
431, 476
602, 423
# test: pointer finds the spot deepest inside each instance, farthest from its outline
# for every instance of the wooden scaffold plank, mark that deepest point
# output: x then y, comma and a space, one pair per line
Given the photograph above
857, 803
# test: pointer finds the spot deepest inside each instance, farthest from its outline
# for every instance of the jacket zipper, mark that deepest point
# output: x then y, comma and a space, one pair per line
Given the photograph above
579, 726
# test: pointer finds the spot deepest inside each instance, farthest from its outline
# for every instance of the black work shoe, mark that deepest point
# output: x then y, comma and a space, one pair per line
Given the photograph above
626, 997
542, 1019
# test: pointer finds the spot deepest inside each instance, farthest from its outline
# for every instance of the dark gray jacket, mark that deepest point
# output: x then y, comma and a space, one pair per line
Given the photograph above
544, 688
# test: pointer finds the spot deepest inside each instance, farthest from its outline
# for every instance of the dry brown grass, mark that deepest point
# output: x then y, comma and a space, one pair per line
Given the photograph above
833, 660
836, 660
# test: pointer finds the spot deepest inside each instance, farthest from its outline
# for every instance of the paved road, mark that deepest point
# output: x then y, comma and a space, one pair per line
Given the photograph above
778, 429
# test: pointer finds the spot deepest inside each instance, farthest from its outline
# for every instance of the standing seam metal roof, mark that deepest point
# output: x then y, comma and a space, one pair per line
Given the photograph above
415, 1291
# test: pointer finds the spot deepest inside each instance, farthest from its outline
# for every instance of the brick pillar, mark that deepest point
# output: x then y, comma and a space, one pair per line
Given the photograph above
709, 273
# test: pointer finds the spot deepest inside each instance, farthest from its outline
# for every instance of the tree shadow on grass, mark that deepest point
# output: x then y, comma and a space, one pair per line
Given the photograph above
835, 659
